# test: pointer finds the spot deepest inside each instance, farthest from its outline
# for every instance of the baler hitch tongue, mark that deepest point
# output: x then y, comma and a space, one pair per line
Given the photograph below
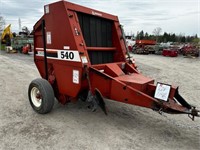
192, 111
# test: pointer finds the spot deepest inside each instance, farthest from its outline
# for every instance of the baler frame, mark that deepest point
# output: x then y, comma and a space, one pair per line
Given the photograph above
86, 57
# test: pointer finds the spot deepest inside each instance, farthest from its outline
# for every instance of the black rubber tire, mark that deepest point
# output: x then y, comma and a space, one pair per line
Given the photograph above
47, 95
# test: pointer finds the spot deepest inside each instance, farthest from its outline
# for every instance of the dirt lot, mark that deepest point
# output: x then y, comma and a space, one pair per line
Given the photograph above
73, 126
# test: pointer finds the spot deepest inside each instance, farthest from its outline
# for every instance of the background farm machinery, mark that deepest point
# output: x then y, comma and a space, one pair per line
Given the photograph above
144, 47
12, 43
190, 50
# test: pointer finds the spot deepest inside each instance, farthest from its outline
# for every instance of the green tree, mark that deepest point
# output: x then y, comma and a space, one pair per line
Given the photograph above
141, 35
183, 40
146, 36
165, 37
196, 40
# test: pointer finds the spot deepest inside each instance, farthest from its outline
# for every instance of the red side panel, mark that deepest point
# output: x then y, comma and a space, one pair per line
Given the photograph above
135, 80
126, 94
64, 78
113, 70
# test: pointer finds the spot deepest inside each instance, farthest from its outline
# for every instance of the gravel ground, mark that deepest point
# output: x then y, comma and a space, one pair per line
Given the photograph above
73, 126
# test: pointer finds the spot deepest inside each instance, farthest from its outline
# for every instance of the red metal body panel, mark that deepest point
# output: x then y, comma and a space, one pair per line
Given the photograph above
113, 70
123, 89
78, 8
136, 81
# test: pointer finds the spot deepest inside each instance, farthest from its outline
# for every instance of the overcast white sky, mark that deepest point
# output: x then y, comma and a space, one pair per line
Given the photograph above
173, 16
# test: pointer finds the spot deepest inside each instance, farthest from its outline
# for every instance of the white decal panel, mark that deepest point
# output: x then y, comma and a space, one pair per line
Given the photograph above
66, 47
69, 55
84, 59
48, 37
46, 9
40, 53
96, 13
162, 91
76, 76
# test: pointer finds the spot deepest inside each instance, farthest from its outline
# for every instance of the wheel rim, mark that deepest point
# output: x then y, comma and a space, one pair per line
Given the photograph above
36, 97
